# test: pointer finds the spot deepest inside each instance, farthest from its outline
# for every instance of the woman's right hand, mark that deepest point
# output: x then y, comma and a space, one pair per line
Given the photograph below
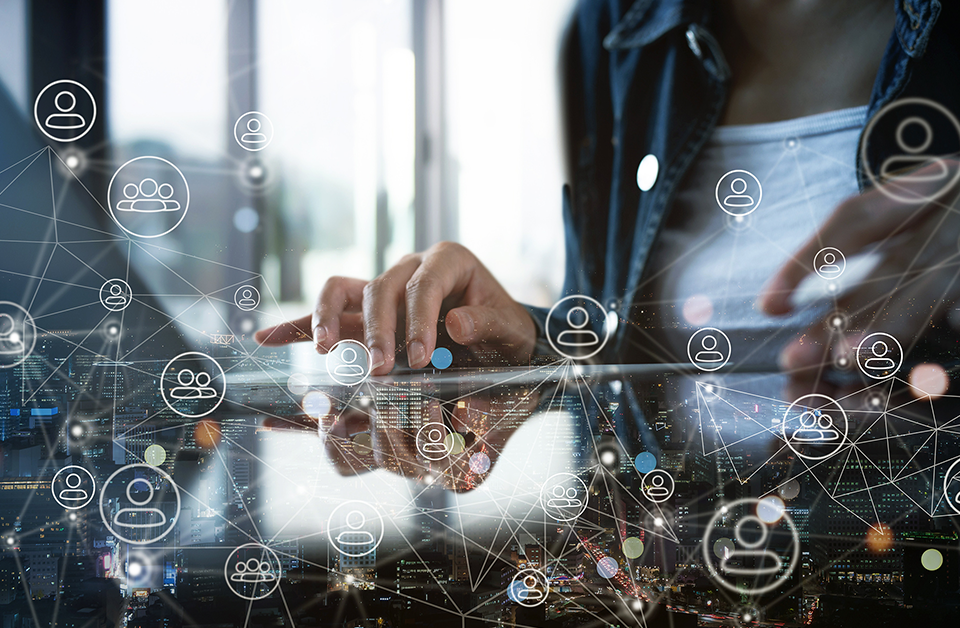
445, 281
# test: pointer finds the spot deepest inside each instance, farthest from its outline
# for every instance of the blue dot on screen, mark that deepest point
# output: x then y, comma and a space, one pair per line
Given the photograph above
645, 462
442, 358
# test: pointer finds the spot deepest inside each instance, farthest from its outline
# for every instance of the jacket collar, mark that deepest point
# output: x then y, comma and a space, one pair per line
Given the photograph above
915, 20
648, 20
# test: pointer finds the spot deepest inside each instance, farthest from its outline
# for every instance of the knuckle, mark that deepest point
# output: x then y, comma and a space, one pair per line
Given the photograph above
422, 283
447, 248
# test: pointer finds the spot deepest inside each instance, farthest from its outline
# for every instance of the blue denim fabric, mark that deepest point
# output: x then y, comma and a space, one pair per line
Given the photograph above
650, 78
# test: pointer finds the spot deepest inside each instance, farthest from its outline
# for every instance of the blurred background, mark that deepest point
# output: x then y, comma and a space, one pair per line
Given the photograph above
397, 124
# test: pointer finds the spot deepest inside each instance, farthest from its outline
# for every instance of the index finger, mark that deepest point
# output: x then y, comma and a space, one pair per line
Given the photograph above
443, 272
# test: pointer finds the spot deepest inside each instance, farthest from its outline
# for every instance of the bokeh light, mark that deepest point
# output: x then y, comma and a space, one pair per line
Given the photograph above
207, 433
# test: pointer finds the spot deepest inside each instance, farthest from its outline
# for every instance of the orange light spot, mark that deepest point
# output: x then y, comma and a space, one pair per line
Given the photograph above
880, 538
207, 433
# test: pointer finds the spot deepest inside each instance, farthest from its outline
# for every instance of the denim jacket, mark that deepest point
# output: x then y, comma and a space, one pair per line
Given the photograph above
649, 78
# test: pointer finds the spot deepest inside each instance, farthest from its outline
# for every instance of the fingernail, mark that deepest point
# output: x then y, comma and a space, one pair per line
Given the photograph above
319, 334
263, 334
376, 358
416, 352
466, 325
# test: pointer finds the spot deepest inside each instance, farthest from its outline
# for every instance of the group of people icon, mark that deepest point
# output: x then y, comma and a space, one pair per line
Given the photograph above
564, 497
253, 571
140, 515
815, 427
66, 119
11, 340
148, 197
193, 385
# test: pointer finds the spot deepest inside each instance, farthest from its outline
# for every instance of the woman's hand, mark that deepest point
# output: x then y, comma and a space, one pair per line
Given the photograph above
445, 282
917, 277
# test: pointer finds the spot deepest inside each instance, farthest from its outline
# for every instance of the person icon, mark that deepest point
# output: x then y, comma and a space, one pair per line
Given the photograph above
116, 297
246, 299
148, 197
829, 266
355, 536
912, 157
815, 427
880, 360
11, 342
561, 497
253, 134
348, 367
529, 590
738, 201
67, 119
767, 561
578, 335
657, 488
73, 492
252, 571
141, 515
434, 442
193, 386
709, 354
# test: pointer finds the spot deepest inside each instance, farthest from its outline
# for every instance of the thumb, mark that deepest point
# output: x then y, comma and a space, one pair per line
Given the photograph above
476, 324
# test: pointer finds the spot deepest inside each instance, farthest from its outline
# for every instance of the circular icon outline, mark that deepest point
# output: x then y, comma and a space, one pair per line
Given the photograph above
606, 328
699, 365
349, 343
163, 474
73, 468
756, 204
236, 298
659, 473
913, 100
125, 289
542, 580
878, 336
780, 579
946, 483
829, 250
27, 319
275, 560
236, 130
447, 432
36, 109
798, 402
334, 542
186, 204
552, 510
223, 390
